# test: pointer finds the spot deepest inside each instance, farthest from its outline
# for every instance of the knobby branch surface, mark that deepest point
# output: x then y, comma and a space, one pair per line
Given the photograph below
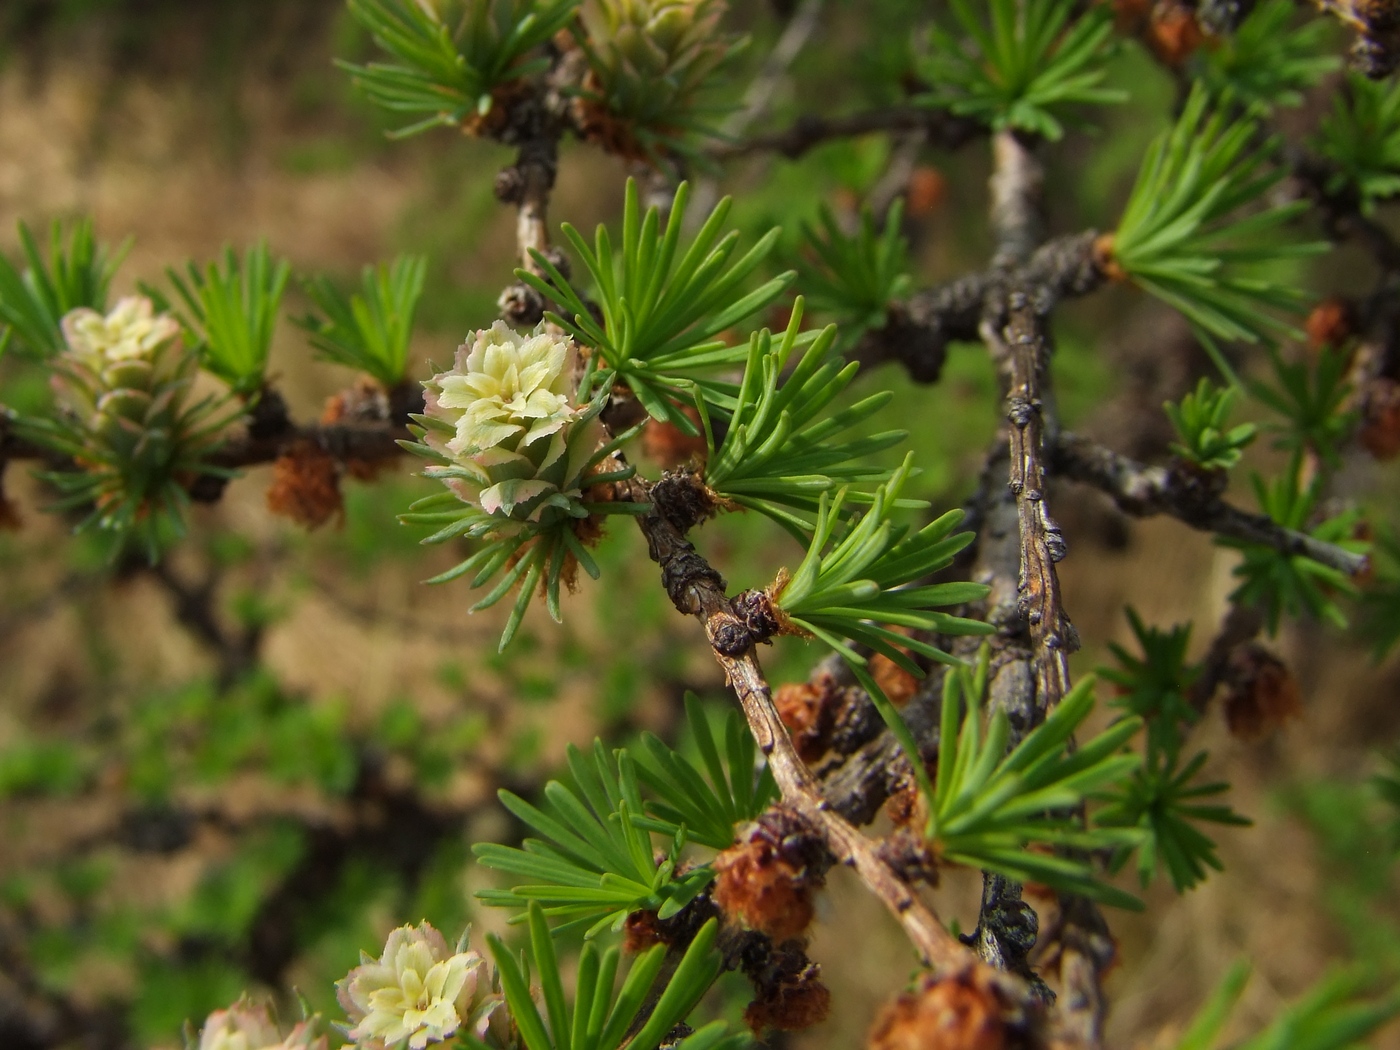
1014, 327
535, 124
858, 777
1021, 348
697, 589
1143, 491
1007, 926
919, 329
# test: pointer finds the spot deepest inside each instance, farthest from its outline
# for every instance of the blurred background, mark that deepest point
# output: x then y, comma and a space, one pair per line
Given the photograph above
240, 768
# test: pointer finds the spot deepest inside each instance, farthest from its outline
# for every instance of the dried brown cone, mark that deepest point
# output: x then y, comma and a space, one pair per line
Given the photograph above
788, 993
907, 807
1262, 694
896, 683
808, 711
364, 402
599, 125
306, 485
1173, 32
1330, 323
766, 881
962, 1012
792, 1008
902, 807
670, 446
641, 931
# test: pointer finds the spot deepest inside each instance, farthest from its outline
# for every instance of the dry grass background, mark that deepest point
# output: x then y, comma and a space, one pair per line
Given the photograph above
140, 154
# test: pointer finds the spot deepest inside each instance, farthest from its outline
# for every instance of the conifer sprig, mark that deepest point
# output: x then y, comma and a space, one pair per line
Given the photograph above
1311, 398
707, 801
1163, 801
861, 578
1188, 236
129, 425
662, 307
986, 806
1361, 137
1028, 60
1153, 687
596, 862
133, 488
1269, 60
35, 298
370, 329
779, 453
452, 55
594, 865
232, 312
1201, 423
1295, 584
602, 1015
651, 65
856, 276
856, 589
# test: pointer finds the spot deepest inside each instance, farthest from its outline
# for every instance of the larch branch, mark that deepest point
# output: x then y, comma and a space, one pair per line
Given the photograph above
697, 589
919, 329
1022, 349
1143, 491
